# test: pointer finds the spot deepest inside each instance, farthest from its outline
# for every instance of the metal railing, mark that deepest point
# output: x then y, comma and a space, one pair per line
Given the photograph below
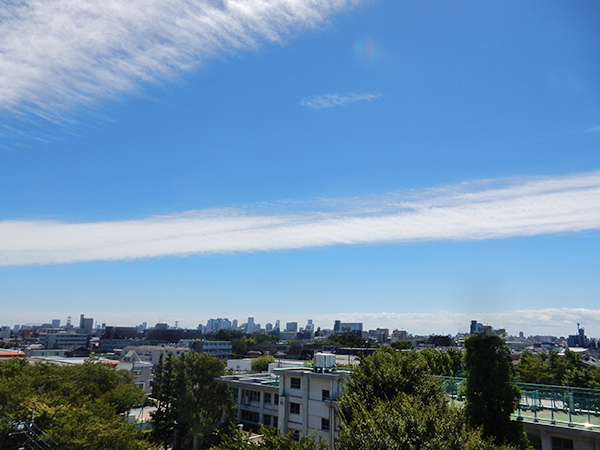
556, 405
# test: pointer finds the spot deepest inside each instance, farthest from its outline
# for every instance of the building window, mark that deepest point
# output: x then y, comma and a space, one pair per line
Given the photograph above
296, 436
268, 398
562, 444
234, 393
250, 416
250, 396
325, 394
276, 399
535, 440
267, 420
275, 421
295, 383
324, 424
294, 408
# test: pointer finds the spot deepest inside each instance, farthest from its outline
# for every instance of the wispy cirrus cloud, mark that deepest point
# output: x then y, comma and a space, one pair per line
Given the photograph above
331, 100
54, 54
489, 209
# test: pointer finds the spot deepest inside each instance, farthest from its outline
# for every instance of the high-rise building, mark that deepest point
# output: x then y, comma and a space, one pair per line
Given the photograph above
86, 324
277, 326
291, 327
250, 326
55, 323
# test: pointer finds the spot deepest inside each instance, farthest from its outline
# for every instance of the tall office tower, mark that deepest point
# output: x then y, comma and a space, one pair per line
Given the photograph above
55, 323
234, 324
250, 325
277, 326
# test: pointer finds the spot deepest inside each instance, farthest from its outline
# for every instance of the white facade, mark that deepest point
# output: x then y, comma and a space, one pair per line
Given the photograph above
301, 399
308, 401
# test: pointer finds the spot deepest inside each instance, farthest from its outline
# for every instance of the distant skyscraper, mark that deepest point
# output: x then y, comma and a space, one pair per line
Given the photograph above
291, 327
234, 324
250, 325
55, 323
277, 326
336, 326
86, 324
269, 327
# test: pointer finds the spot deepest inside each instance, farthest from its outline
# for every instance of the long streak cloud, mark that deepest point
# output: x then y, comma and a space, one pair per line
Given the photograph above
488, 209
56, 53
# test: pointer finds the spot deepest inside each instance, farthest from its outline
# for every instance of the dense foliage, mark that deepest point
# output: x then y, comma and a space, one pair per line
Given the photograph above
271, 440
75, 407
551, 368
391, 401
345, 340
192, 404
491, 397
261, 364
242, 342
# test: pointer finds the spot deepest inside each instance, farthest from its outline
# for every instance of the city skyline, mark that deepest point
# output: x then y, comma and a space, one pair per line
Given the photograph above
553, 322
382, 162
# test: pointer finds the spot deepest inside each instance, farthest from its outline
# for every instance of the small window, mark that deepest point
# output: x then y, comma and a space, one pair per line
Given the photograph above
296, 435
267, 398
234, 393
535, 440
562, 444
295, 383
275, 421
250, 396
325, 394
324, 424
276, 399
250, 416
294, 408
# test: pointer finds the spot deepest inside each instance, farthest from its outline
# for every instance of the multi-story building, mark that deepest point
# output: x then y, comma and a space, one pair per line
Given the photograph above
298, 399
220, 349
64, 340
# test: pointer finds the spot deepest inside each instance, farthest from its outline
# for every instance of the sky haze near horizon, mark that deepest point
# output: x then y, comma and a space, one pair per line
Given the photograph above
408, 164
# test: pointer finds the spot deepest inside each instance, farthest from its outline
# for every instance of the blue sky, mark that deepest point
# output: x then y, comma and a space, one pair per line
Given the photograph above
408, 164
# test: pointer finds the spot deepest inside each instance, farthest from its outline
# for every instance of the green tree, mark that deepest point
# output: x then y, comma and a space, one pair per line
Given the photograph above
491, 397
261, 364
346, 340
192, 404
392, 401
271, 440
74, 407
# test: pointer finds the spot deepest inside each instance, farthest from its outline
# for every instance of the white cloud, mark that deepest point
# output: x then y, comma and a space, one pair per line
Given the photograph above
68, 52
594, 129
330, 100
470, 211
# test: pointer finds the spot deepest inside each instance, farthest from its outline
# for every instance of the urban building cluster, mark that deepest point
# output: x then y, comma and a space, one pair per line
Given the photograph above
290, 396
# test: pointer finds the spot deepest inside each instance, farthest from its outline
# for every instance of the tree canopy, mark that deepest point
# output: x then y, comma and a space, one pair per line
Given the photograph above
392, 401
491, 397
271, 440
554, 369
75, 407
192, 404
261, 364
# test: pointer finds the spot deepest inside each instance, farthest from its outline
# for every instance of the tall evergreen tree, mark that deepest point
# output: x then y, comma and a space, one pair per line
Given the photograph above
491, 396
192, 404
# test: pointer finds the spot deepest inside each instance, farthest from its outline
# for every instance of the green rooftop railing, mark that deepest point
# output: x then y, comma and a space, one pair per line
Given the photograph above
556, 405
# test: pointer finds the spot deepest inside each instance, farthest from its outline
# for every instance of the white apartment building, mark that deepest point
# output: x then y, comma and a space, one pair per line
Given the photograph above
299, 399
